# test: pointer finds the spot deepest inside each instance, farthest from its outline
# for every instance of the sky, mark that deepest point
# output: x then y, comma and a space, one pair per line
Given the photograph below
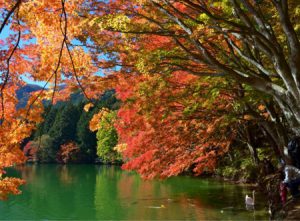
4, 34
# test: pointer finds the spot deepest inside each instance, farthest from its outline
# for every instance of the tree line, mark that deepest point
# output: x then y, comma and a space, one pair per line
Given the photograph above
64, 135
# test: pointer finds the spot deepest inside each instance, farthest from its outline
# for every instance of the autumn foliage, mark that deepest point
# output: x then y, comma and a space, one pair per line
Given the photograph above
68, 152
169, 127
30, 151
179, 67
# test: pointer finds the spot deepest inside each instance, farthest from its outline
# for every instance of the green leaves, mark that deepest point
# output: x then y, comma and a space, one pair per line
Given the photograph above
107, 139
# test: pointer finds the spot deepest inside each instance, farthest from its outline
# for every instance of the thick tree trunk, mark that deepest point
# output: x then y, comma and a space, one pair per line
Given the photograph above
291, 110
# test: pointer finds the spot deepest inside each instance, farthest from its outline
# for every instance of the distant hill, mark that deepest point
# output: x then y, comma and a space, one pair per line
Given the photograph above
24, 92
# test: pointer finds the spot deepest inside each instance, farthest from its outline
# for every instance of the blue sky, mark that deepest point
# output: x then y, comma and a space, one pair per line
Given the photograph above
4, 34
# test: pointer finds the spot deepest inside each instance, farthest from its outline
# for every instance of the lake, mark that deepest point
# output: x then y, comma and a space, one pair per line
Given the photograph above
96, 192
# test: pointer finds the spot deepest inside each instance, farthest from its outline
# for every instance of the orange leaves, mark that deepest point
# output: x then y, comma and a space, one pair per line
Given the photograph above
68, 153
10, 155
248, 117
120, 147
16, 126
9, 186
46, 53
163, 139
94, 123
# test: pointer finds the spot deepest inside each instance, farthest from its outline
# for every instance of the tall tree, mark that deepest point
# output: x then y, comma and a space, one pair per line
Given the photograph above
86, 139
107, 139
255, 43
64, 126
173, 124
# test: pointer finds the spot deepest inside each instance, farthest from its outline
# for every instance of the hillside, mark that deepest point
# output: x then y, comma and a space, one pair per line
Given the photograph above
24, 92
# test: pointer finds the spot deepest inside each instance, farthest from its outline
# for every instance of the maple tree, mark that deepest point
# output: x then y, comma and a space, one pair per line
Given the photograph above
232, 39
245, 42
68, 153
25, 51
180, 129
30, 151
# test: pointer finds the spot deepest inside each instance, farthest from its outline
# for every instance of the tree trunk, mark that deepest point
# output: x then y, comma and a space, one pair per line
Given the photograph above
251, 147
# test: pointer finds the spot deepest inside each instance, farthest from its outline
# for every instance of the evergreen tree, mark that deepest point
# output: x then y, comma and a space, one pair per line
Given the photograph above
64, 126
49, 118
85, 138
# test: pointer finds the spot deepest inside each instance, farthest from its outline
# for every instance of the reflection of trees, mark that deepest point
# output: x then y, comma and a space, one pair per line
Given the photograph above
65, 176
107, 202
59, 192
100, 192
142, 200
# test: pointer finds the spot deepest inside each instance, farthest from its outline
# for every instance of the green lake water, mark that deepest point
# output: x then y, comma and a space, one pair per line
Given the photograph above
93, 192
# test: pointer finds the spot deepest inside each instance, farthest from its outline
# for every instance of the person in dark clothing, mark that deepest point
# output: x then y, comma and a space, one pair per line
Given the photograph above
294, 151
291, 179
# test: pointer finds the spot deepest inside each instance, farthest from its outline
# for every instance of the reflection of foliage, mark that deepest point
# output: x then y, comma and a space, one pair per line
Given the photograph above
68, 152
107, 138
66, 177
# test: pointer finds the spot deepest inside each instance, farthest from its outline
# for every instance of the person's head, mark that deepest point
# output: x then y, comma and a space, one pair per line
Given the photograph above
294, 144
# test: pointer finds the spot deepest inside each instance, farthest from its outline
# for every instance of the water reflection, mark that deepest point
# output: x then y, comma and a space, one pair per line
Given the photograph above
103, 192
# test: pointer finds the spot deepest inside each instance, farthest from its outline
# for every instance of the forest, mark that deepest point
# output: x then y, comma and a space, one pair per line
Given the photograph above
64, 135
166, 87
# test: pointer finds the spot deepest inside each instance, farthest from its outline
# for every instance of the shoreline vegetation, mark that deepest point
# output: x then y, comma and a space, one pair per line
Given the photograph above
65, 137
241, 176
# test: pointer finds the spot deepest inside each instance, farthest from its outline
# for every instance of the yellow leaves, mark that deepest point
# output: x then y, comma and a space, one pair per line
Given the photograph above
120, 147
203, 17
141, 66
88, 106
94, 123
45, 24
112, 21
93, 21
297, 10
